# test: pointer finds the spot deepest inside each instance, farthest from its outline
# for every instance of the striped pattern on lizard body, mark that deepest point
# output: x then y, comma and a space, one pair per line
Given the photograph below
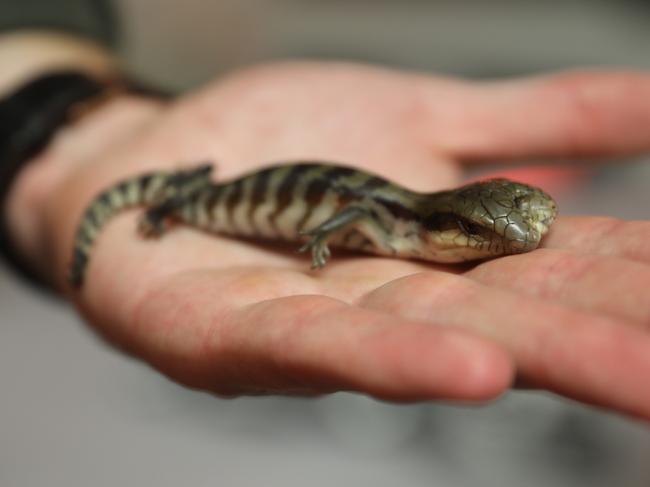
279, 202
323, 204
285, 202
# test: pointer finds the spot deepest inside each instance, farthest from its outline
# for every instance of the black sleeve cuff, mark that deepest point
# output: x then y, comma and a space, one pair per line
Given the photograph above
94, 19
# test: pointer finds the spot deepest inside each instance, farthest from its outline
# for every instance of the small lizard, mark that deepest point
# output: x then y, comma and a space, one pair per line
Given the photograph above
321, 204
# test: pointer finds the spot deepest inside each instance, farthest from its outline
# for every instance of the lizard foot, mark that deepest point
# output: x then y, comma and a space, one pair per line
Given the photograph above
320, 252
151, 227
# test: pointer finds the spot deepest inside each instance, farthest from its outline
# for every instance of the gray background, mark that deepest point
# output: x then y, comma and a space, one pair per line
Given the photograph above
74, 412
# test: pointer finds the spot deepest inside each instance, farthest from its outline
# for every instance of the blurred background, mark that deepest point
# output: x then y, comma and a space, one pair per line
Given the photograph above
75, 412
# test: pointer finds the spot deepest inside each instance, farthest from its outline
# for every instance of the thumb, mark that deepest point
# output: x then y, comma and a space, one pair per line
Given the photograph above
570, 114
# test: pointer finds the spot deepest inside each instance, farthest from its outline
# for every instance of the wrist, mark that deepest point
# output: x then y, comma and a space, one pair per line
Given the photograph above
77, 147
29, 56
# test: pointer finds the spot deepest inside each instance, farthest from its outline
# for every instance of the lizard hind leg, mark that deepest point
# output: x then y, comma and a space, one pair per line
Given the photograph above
153, 221
180, 189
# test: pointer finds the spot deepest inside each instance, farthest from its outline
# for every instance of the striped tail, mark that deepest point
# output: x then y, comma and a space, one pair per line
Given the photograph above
129, 193
144, 190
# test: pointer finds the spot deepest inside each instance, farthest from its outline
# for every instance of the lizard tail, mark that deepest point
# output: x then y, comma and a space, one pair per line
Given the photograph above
129, 193
146, 189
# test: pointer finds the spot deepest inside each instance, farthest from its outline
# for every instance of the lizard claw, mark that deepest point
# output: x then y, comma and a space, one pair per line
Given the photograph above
320, 252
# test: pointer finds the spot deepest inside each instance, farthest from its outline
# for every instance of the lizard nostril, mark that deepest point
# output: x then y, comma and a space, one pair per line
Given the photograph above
521, 202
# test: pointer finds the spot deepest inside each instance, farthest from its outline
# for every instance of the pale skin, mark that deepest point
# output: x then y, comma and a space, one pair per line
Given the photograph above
235, 317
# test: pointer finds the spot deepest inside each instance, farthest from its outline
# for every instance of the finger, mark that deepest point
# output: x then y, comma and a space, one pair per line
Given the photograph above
310, 344
580, 113
609, 285
601, 235
556, 179
584, 356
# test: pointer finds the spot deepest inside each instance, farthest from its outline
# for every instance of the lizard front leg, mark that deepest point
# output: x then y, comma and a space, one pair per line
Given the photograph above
319, 236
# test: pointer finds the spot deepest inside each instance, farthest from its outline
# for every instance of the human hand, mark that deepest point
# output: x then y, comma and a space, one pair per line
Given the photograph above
234, 317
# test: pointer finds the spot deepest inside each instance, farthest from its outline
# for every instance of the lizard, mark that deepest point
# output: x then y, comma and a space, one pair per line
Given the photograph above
318, 204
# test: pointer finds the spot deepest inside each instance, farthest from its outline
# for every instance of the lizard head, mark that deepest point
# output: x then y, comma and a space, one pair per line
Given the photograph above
488, 219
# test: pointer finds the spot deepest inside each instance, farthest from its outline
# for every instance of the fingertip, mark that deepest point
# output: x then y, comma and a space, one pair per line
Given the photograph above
489, 370
443, 363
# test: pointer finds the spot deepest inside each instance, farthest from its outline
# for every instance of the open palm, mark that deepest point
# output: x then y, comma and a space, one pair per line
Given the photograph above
238, 317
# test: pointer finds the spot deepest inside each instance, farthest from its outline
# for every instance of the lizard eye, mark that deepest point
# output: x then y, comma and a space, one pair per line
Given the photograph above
470, 229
